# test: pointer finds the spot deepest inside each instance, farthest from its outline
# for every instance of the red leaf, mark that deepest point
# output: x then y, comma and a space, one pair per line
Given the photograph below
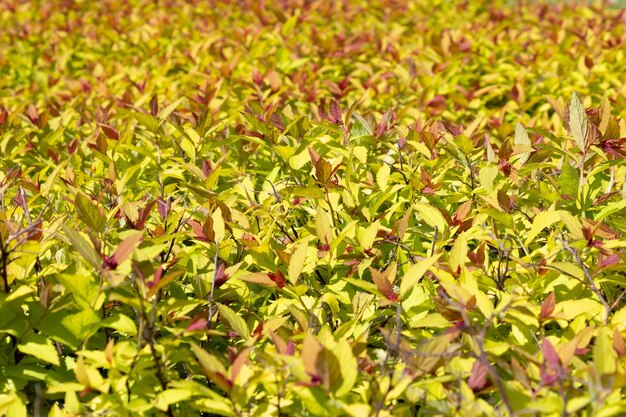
461, 212
612, 259
278, 278
143, 215
478, 378
126, 247
551, 367
110, 131
197, 325
241, 359
334, 113
198, 229
4, 113
383, 126
550, 356
32, 113
163, 207
547, 307
618, 343
154, 106
220, 275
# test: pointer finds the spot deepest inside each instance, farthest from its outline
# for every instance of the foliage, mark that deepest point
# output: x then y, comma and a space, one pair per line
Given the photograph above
312, 208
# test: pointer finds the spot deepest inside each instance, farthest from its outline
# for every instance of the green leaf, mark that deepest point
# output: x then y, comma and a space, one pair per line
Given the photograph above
235, 321
611, 208
348, 366
568, 181
604, 357
83, 247
303, 191
89, 213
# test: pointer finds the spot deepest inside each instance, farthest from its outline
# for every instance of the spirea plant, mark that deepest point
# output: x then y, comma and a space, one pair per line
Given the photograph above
312, 208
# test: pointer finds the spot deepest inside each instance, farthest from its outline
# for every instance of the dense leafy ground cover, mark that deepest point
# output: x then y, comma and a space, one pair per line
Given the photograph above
310, 208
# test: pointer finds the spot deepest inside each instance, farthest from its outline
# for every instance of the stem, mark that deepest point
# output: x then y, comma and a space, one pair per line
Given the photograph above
211, 307
581, 179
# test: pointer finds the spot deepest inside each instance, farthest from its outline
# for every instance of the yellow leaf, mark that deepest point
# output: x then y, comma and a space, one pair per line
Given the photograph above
369, 235
431, 216
540, 222
382, 177
487, 176
322, 226
573, 224
522, 139
296, 263
458, 253
578, 123
605, 115
415, 273
218, 225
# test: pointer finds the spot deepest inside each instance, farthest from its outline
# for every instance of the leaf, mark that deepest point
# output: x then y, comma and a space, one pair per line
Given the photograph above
568, 180
547, 307
322, 226
540, 222
160, 283
432, 354
171, 396
235, 321
348, 366
578, 124
41, 348
487, 176
604, 356
110, 131
238, 363
382, 177
296, 263
89, 213
431, 216
458, 253
384, 284
605, 115
415, 273
261, 278
83, 247
311, 348
127, 246
551, 366
303, 191
618, 342
218, 225
478, 378
368, 235
328, 369
212, 367
522, 139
